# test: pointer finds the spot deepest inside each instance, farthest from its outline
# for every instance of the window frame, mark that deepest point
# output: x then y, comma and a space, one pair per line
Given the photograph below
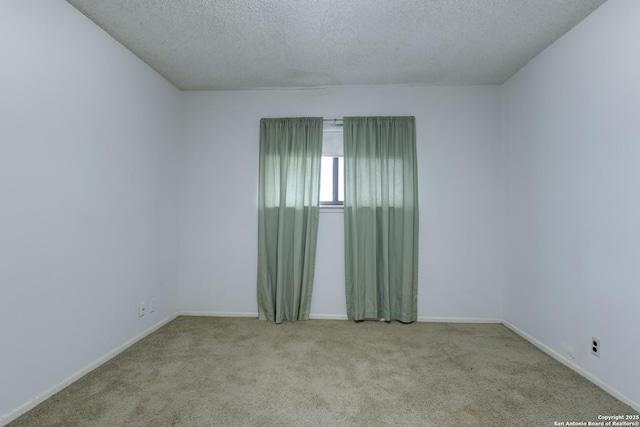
332, 148
335, 202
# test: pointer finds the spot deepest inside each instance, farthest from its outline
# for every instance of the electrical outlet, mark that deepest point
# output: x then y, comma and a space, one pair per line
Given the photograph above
152, 306
595, 346
141, 309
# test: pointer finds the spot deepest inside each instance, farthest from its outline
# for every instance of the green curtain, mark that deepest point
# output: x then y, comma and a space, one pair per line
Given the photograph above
381, 218
288, 213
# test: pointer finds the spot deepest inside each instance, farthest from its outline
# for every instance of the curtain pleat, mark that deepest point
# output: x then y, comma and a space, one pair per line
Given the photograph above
288, 214
381, 218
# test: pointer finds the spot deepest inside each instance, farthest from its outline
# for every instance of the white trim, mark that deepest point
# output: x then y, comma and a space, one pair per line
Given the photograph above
458, 320
38, 399
332, 209
328, 317
218, 314
342, 317
318, 88
569, 364
255, 315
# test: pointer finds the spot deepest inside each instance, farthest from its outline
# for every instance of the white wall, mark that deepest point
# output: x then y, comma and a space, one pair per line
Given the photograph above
89, 208
88, 195
572, 139
458, 137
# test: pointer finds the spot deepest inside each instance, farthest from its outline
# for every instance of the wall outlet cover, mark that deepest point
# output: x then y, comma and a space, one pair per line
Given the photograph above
595, 346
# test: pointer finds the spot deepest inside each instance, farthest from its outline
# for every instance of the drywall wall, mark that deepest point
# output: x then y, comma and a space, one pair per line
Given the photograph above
460, 181
88, 195
572, 144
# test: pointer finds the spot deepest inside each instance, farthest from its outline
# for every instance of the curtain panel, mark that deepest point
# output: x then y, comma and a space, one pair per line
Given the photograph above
381, 218
288, 214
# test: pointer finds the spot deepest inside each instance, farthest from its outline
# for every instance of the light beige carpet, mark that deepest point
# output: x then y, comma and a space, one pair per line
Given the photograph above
199, 371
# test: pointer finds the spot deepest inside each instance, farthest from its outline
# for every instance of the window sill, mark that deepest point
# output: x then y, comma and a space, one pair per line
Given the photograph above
331, 209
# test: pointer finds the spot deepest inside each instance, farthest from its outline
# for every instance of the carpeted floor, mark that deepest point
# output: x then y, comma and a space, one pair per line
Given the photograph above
205, 371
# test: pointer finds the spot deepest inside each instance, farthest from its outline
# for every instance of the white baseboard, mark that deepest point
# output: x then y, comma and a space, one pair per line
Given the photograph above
7, 418
328, 317
459, 320
342, 317
420, 319
255, 315
569, 364
217, 314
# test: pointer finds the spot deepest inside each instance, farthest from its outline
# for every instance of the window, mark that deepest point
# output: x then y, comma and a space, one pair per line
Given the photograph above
332, 181
332, 168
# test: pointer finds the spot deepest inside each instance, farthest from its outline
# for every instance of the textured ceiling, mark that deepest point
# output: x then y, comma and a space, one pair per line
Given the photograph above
237, 44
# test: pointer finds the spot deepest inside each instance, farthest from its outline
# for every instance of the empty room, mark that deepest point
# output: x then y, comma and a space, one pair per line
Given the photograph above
319, 213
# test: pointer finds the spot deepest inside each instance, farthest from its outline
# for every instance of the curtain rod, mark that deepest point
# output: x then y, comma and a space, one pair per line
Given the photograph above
332, 122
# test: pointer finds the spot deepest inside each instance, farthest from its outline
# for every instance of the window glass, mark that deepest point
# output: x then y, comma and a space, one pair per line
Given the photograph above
332, 167
341, 179
326, 179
